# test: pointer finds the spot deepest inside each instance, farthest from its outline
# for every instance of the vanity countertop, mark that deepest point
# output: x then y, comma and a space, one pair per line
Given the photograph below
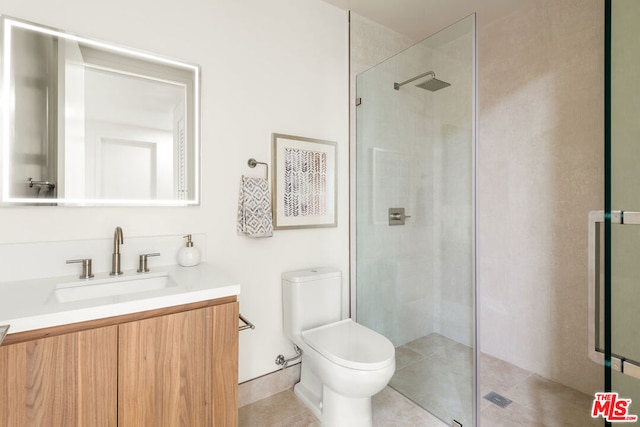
33, 304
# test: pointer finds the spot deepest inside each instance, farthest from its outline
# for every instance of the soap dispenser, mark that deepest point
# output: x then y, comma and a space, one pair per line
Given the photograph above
188, 255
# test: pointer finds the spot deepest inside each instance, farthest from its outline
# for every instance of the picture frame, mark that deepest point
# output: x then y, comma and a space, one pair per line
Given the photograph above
304, 182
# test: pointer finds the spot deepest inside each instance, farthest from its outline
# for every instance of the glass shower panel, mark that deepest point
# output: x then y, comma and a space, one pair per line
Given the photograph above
622, 194
415, 153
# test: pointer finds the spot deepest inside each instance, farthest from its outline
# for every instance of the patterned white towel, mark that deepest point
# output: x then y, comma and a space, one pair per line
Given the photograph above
254, 208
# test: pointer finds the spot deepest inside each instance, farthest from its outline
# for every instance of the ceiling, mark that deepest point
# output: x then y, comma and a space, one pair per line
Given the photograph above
421, 18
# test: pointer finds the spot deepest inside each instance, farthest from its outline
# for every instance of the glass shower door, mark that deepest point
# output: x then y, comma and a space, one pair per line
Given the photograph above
414, 261
622, 205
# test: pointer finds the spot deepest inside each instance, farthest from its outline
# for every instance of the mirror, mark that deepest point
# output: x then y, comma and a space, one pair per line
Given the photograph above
88, 123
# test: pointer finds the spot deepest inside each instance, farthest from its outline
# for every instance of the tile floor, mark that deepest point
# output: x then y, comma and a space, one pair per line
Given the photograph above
536, 401
284, 409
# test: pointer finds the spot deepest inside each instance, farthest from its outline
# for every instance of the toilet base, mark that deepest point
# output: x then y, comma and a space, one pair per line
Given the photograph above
336, 410
342, 411
331, 408
310, 399
309, 389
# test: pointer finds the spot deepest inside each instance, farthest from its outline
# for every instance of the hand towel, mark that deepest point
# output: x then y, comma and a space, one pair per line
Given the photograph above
254, 208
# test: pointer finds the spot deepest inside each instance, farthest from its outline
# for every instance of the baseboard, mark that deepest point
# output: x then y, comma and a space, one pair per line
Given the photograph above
268, 385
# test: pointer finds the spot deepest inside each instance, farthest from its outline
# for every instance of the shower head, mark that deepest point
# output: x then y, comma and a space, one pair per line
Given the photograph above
431, 84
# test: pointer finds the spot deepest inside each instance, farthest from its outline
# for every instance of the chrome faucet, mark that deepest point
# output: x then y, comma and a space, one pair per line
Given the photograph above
118, 240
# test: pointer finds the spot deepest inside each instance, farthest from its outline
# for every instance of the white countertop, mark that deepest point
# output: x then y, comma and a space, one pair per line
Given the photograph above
32, 304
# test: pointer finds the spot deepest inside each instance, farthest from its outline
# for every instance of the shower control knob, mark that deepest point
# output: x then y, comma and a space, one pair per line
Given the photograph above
397, 216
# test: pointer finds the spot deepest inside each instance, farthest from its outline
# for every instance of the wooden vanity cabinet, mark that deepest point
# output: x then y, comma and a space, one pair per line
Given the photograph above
175, 370
169, 367
65, 380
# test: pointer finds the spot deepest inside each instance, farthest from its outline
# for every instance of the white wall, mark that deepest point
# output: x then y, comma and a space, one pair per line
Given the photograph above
277, 66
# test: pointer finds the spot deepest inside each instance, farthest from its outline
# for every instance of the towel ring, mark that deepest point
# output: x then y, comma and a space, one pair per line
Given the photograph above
253, 163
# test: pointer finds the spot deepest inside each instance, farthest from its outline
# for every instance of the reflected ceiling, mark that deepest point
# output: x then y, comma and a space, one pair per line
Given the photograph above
421, 18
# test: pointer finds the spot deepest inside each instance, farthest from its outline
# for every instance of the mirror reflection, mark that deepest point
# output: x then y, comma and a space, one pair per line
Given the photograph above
89, 123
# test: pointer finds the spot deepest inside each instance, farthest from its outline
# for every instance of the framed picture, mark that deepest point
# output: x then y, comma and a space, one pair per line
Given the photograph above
304, 182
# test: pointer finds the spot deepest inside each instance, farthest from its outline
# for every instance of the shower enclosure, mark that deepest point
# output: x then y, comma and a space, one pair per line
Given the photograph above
415, 215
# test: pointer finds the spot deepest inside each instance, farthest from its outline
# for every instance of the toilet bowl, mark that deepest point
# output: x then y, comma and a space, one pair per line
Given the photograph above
343, 363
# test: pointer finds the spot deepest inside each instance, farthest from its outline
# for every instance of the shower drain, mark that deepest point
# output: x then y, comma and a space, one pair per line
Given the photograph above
497, 399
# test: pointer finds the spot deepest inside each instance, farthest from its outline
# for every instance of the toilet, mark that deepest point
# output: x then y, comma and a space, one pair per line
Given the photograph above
343, 363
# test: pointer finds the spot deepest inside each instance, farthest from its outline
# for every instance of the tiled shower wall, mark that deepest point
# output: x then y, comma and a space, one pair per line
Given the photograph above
540, 171
395, 152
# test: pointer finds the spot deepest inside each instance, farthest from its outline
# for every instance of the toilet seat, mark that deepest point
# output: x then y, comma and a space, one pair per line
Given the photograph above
351, 345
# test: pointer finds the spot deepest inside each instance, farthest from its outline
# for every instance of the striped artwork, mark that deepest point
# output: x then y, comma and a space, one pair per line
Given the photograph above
305, 183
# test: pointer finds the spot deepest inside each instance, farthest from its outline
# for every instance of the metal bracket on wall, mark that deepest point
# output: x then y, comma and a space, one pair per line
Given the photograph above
247, 324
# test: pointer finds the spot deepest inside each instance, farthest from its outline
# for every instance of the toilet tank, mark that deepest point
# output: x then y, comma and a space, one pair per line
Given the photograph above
310, 298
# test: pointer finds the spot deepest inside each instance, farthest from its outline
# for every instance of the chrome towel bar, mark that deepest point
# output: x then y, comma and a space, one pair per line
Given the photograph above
247, 324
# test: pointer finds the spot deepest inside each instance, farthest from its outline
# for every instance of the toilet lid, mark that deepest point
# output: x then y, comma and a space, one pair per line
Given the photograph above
351, 345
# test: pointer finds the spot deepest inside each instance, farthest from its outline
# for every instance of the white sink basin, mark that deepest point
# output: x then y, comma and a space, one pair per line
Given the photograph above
113, 286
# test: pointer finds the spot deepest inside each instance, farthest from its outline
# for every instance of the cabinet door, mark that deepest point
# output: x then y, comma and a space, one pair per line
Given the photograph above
66, 380
180, 369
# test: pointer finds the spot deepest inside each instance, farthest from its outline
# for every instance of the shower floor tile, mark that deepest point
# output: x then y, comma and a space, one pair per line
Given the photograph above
441, 382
